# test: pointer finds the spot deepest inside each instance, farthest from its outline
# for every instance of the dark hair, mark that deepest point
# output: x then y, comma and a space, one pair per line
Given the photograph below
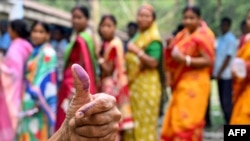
194, 9
60, 29
179, 28
226, 20
44, 25
243, 23
132, 24
111, 17
20, 27
83, 9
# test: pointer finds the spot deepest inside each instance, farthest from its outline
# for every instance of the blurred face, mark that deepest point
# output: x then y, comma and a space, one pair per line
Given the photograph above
248, 21
144, 19
39, 35
3, 27
79, 21
12, 33
191, 20
224, 27
107, 29
57, 35
131, 31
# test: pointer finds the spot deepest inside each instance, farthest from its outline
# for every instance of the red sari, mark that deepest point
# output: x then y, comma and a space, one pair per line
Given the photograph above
79, 54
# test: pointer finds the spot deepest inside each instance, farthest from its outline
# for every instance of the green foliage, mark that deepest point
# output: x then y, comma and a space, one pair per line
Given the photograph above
168, 12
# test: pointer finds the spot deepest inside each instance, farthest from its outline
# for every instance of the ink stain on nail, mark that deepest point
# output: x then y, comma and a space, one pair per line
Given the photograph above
87, 108
82, 75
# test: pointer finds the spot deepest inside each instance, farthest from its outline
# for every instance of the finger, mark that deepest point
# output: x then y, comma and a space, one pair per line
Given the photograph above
97, 131
82, 84
109, 137
101, 103
100, 118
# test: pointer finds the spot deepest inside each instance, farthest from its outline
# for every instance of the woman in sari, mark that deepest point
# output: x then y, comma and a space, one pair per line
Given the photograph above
143, 60
113, 73
241, 87
37, 118
12, 75
80, 51
189, 60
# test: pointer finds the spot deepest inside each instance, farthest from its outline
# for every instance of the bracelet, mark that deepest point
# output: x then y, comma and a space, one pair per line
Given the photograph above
188, 60
101, 60
140, 54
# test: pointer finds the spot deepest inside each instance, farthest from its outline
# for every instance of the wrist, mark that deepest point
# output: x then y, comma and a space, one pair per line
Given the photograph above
101, 60
188, 60
60, 135
140, 53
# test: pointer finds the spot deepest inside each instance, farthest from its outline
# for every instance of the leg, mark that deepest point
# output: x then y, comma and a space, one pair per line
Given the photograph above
225, 92
208, 119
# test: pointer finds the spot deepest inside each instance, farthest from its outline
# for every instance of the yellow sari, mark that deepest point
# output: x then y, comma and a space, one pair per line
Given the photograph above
241, 90
184, 119
145, 90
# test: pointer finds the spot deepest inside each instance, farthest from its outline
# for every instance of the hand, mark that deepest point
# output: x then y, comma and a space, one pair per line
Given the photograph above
89, 117
133, 48
178, 56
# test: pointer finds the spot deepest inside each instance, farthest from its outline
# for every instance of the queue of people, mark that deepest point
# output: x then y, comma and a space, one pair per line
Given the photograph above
44, 94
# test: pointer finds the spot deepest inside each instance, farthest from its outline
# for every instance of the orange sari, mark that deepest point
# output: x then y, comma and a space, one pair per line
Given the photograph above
184, 119
241, 90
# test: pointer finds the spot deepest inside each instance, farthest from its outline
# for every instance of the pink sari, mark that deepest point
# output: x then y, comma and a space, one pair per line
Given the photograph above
12, 73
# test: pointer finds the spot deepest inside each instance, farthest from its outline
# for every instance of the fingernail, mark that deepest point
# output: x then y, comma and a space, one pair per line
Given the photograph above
87, 108
80, 114
82, 75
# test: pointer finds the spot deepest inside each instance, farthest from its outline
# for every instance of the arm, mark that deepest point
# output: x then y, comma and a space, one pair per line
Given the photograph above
151, 56
224, 66
200, 62
107, 66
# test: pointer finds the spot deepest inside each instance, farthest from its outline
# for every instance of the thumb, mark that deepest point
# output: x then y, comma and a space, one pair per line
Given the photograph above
82, 85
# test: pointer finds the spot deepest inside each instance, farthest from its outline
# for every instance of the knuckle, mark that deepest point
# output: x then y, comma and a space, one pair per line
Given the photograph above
117, 114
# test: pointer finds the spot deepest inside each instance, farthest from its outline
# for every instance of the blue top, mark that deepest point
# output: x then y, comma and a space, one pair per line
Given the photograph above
5, 41
226, 45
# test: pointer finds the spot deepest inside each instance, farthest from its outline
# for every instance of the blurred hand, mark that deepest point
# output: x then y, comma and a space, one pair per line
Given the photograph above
178, 56
89, 117
133, 48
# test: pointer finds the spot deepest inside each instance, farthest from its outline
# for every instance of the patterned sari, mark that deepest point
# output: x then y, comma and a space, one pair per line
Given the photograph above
37, 118
145, 90
117, 83
78, 52
241, 90
184, 119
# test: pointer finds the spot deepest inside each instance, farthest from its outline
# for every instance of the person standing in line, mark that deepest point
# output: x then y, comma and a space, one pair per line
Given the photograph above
225, 52
241, 86
5, 39
60, 50
113, 72
40, 95
132, 28
144, 61
12, 73
80, 50
189, 61
244, 31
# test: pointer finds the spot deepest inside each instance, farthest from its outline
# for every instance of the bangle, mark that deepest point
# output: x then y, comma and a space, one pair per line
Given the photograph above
188, 60
101, 61
140, 54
